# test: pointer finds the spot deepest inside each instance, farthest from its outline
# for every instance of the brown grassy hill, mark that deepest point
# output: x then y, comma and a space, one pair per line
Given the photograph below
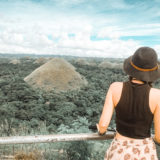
15, 61
57, 74
41, 60
81, 61
92, 64
107, 64
119, 66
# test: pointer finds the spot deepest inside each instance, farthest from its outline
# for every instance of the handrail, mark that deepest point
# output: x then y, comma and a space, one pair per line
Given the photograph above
55, 138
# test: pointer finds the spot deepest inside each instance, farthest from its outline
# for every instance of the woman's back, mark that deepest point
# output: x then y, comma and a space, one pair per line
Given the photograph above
153, 95
154, 104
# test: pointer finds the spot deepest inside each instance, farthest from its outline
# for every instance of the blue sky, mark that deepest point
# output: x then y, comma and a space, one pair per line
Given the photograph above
100, 28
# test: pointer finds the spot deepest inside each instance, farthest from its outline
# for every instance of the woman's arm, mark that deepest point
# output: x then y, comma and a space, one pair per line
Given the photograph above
107, 111
157, 123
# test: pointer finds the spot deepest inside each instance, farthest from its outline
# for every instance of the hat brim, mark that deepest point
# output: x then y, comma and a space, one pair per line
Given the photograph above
149, 76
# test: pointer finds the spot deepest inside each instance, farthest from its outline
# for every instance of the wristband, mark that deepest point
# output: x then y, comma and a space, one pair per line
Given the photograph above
101, 134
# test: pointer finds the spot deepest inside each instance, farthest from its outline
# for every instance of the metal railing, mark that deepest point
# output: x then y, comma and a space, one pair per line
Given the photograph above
55, 138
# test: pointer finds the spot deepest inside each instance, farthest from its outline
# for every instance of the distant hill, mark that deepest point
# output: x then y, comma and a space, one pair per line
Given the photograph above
15, 61
92, 61
111, 65
81, 61
41, 60
58, 75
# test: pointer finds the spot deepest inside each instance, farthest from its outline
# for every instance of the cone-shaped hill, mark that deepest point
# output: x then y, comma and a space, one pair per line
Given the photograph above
107, 64
15, 61
41, 60
58, 75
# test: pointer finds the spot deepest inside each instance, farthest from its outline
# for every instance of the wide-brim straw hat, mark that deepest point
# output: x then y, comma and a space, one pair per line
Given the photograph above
143, 65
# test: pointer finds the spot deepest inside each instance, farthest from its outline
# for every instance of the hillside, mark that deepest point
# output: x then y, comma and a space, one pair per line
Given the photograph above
58, 75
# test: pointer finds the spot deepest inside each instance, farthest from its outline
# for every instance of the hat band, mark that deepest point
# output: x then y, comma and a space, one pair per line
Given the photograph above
142, 69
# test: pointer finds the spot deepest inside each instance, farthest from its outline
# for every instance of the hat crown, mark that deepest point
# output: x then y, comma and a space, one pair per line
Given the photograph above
145, 58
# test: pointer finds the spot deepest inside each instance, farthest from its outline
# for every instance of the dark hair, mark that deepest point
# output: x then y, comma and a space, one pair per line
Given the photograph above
149, 83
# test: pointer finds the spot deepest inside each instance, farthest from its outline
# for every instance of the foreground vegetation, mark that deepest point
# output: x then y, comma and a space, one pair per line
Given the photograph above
25, 111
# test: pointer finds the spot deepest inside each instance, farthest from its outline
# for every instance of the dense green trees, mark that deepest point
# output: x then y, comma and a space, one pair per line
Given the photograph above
21, 103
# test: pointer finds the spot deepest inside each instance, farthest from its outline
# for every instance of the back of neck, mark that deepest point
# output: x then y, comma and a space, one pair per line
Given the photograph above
137, 81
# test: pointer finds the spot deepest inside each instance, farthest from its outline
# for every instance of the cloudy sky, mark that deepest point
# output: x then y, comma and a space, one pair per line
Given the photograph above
101, 28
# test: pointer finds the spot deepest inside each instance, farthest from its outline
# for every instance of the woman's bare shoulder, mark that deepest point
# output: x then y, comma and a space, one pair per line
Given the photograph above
155, 92
116, 86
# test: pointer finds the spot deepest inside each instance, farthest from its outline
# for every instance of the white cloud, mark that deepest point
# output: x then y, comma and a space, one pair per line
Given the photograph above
119, 4
109, 32
66, 2
32, 37
28, 32
11, 38
80, 44
157, 48
141, 31
115, 32
6, 48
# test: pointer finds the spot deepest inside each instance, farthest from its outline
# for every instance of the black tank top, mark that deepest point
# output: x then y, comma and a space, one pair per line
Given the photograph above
133, 115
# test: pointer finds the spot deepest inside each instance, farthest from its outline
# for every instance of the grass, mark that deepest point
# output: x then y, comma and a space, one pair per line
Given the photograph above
34, 155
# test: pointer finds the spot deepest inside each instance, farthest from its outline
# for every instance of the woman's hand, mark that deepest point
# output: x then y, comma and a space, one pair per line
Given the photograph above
101, 134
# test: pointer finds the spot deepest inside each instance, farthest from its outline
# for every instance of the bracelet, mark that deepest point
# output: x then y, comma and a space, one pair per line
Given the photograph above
101, 134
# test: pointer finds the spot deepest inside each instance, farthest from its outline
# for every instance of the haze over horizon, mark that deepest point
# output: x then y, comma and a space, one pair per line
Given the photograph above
97, 28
